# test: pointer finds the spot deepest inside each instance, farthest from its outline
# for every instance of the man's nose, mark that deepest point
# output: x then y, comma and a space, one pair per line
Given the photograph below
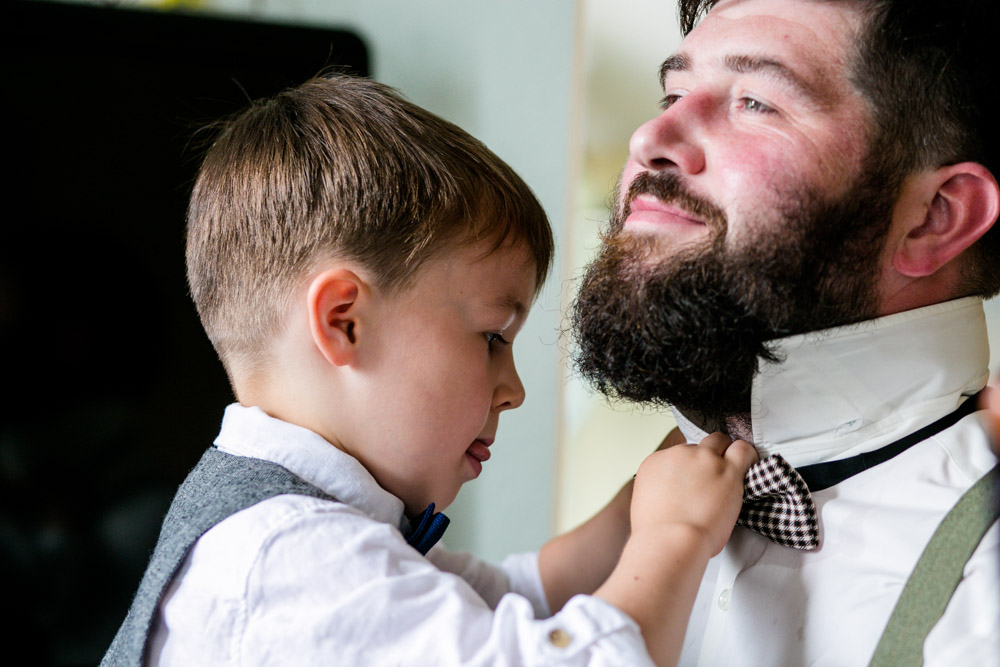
509, 392
672, 140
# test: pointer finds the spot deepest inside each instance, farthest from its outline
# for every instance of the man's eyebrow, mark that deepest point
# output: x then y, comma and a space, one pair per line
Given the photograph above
776, 69
675, 63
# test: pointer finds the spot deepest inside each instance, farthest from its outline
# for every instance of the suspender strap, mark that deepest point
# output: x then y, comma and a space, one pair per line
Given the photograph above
938, 573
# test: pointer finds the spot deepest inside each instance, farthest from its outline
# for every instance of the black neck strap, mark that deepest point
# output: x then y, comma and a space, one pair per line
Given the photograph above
821, 476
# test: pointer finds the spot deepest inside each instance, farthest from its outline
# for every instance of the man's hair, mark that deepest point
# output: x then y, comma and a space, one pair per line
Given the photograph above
339, 167
929, 73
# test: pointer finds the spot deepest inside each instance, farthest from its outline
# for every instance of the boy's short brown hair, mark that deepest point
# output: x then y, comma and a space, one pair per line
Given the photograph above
338, 167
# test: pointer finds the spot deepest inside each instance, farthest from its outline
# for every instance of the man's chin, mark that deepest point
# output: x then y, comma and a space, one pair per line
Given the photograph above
665, 334
643, 252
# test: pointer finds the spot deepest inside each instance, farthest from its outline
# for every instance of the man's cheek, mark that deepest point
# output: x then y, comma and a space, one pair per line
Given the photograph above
755, 177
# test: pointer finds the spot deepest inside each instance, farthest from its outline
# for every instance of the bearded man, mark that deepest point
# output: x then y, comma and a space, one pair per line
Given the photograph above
798, 257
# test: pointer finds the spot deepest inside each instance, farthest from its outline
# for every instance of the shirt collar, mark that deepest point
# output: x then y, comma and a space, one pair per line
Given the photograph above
249, 431
843, 391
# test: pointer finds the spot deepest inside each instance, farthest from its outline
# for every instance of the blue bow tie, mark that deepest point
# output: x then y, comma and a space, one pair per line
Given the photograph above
427, 529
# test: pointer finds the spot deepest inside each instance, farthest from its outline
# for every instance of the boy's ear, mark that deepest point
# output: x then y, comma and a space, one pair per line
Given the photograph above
335, 301
946, 211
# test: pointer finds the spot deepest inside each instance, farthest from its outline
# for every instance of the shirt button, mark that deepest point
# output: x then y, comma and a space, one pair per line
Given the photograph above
849, 427
724, 597
559, 638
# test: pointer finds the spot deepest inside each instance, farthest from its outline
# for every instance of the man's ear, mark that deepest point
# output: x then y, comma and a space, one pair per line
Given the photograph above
945, 211
335, 303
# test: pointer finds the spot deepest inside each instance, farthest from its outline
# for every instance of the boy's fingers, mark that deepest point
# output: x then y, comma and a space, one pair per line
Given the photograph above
742, 454
717, 442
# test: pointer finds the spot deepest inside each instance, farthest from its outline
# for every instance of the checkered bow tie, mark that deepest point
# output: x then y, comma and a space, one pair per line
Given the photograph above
777, 504
776, 497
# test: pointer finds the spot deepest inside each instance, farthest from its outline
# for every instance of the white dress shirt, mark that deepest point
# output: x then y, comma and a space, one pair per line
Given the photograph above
301, 581
838, 393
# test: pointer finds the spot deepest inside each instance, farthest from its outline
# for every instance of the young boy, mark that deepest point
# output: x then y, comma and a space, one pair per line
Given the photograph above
362, 268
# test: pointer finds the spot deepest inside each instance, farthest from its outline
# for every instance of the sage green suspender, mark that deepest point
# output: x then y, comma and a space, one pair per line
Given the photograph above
938, 573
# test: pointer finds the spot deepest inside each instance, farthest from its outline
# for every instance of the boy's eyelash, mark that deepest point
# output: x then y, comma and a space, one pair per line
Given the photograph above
494, 337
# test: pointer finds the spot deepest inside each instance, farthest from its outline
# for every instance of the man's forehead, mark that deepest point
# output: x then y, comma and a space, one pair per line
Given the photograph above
832, 17
722, 5
802, 41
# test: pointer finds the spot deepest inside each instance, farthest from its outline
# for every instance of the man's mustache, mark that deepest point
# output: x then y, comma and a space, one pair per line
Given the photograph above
670, 189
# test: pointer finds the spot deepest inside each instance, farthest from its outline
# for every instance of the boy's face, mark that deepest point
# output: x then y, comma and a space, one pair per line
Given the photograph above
439, 370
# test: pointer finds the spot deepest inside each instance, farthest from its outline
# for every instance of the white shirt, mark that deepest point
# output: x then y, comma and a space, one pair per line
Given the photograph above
838, 393
303, 581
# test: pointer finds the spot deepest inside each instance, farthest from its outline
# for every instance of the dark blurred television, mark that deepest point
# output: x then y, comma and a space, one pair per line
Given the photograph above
111, 390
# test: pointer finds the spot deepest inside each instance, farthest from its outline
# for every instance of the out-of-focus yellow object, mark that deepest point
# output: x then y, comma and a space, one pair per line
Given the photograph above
176, 4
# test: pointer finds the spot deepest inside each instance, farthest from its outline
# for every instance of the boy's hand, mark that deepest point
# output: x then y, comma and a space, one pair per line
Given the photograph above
698, 486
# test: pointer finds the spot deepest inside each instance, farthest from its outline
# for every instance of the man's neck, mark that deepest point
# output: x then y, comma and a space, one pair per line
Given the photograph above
737, 427
740, 427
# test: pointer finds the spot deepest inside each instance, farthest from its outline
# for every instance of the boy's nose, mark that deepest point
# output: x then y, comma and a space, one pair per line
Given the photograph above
509, 393
671, 139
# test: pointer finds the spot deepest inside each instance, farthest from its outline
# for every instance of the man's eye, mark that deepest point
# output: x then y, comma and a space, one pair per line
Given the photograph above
754, 106
668, 101
494, 337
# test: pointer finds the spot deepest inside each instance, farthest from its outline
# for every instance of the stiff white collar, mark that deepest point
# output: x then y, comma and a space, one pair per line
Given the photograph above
249, 431
843, 391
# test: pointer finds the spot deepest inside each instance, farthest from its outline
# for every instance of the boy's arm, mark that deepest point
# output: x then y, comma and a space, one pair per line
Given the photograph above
564, 573
684, 507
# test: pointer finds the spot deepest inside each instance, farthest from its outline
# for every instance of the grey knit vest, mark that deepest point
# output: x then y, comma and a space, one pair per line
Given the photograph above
218, 487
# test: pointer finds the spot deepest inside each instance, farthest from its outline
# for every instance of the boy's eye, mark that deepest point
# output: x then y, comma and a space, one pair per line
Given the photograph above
494, 337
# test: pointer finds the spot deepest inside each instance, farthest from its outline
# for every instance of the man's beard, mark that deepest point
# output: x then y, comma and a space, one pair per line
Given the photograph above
688, 327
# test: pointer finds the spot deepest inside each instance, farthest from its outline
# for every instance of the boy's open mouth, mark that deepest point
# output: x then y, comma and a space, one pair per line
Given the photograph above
477, 453
479, 450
